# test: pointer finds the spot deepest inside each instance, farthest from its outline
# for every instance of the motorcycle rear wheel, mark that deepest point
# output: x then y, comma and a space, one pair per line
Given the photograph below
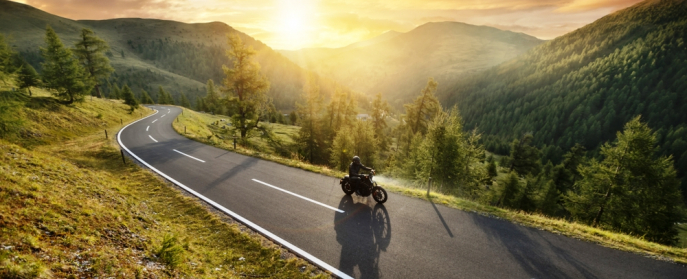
347, 188
379, 194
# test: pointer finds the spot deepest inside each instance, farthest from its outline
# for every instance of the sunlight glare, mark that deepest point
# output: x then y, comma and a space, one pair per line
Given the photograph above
295, 19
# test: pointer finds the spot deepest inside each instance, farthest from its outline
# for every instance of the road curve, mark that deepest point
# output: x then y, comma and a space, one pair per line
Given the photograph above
404, 238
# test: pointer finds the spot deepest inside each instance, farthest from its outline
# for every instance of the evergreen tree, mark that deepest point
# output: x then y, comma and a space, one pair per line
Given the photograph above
423, 109
342, 149
27, 78
245, 85
630, 189
491, 168
163, 97
62, 72
145, 98
200, 104
116, 92
293, 118
184, 101
524, 158
510, 189
90, 49
6, 54
420, 113
310, 135
129, 98
212, 97
380, 111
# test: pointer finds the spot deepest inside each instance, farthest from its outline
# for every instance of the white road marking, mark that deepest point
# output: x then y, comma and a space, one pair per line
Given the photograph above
182, 153
297, 195
147, 128
162, 116
151, 137
154, 120
266, 233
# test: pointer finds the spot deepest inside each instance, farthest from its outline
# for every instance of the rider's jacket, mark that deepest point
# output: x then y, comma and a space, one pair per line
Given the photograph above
354, 169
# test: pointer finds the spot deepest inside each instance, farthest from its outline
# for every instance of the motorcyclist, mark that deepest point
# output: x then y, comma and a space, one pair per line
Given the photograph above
353, 172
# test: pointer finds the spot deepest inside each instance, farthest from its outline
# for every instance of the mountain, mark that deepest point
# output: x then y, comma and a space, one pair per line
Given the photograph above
397, 65
147, 53
583, 86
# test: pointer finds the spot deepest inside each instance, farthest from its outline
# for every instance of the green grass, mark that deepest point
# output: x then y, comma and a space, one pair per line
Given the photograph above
198, 129
70, 208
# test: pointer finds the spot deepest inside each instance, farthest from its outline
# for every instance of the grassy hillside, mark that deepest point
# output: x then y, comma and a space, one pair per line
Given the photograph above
583, 86
147, 53
398, 65
70, 208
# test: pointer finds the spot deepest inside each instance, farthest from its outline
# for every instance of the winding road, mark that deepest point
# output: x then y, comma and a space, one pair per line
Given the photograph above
354, 237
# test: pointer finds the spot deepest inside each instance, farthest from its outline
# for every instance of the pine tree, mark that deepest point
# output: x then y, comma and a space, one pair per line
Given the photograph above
212, 98
129, 98
115, 93
162, 96
145, 98
62, 72
342, 149
310, 135
184, 101
27, 78
245, 85
510, 190
90, 49
423, 109
630, 189
380, 111
524, 158
6, 54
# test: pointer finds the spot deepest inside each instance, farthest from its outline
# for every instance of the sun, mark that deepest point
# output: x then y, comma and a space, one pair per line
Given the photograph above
295, 19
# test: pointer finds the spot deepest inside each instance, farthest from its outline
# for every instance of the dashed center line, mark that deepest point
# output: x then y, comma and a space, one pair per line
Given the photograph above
151, 137
147, 128
297, 195
194, 158
162, 116
154, 120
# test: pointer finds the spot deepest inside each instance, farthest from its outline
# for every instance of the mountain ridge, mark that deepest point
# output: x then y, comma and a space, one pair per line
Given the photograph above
399, 66
147, 53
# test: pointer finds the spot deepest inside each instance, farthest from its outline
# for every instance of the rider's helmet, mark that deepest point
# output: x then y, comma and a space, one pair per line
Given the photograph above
356, 159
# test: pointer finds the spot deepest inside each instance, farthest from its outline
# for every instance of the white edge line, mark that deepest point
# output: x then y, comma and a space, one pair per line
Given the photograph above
151, 137
245, 221
297, 195
182, 153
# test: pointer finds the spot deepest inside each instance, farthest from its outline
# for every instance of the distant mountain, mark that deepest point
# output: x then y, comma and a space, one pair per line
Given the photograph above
149, 52
397, 65
583, 86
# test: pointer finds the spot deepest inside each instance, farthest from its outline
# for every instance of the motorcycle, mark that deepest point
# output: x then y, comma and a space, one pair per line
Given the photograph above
367, 187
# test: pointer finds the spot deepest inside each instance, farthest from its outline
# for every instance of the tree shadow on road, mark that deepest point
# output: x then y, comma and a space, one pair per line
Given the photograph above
534, 252
441, 218
363, 233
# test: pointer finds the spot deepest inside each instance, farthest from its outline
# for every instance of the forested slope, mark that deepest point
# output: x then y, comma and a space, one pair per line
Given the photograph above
147, 53
582, 87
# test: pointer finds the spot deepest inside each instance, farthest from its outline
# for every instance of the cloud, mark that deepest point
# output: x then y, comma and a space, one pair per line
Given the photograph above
586, 5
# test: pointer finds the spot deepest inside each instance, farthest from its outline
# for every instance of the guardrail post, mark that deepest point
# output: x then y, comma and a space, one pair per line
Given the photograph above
123, 160
105, 134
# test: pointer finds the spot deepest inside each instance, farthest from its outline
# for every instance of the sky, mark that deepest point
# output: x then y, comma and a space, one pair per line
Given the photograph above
295, 24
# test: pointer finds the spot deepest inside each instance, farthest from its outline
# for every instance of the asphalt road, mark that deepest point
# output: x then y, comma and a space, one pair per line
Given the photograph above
404, 238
